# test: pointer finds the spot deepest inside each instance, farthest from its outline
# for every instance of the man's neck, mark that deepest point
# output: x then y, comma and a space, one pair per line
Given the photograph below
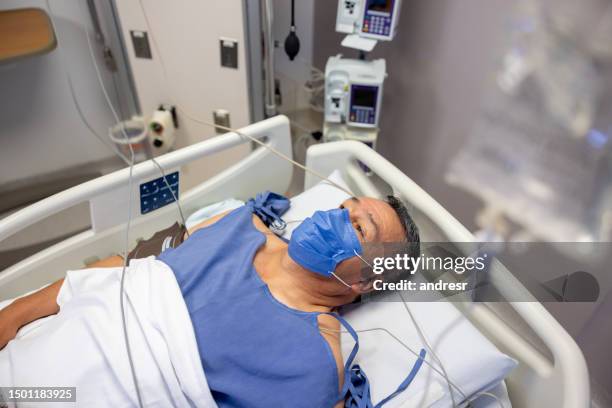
302, 289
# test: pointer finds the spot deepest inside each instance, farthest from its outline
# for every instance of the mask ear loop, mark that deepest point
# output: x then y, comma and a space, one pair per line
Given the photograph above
342, 281
362, 258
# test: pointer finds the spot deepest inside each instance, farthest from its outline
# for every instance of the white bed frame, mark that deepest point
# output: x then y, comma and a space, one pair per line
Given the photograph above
552, 370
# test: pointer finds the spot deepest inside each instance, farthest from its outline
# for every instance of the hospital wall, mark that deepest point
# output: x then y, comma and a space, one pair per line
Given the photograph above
43, 139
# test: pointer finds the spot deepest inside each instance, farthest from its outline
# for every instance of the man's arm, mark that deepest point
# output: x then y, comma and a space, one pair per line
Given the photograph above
39, 304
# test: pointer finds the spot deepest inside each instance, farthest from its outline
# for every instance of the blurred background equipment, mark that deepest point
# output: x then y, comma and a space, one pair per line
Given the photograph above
539, 150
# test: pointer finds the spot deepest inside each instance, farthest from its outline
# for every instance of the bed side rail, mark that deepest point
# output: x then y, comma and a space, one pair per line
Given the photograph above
111, 189
258, 170
566, 378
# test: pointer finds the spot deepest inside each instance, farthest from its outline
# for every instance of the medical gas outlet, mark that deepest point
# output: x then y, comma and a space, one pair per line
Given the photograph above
162, 128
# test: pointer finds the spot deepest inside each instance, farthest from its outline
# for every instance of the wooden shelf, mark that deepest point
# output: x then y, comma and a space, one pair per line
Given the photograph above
25, 32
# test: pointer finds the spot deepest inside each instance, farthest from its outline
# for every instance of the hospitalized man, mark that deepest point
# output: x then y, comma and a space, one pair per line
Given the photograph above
262, 308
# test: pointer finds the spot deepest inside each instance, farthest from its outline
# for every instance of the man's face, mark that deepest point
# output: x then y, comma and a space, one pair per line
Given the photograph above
374, 221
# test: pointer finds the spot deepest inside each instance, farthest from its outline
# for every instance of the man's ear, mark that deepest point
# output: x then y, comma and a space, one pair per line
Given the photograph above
363, 286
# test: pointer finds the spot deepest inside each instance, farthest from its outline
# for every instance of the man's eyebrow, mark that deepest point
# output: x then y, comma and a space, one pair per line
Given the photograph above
374, 223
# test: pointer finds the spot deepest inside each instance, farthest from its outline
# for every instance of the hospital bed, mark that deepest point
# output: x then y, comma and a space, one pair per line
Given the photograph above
551, 370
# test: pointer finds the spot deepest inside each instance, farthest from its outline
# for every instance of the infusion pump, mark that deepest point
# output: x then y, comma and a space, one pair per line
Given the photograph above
375, 19
353, 91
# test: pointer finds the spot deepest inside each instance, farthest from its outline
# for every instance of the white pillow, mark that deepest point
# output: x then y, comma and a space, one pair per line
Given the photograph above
472, 362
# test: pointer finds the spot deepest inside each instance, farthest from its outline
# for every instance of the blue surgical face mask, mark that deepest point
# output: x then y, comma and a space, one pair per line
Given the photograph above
324, 240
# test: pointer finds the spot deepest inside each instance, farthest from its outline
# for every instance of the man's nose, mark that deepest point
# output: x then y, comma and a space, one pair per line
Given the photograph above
355, 211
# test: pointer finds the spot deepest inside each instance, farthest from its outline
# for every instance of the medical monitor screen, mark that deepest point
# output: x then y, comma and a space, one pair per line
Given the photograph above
380, 6
364, 96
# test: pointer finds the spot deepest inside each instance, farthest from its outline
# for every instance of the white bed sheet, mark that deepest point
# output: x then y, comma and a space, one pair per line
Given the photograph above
83, 346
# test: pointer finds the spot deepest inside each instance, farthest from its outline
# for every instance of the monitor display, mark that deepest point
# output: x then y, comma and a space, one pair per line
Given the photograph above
380, 6
364, 96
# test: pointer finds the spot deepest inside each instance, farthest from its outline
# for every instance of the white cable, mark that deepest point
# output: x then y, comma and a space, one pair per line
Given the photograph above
394, 337
117, 120
122, 287
74, 98
431, 350
86, 123
128, 224
229, 129
130, 162
273, 150
488, 394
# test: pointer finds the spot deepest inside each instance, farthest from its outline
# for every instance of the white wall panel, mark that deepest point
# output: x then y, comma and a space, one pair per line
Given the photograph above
185, 34
40, 130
